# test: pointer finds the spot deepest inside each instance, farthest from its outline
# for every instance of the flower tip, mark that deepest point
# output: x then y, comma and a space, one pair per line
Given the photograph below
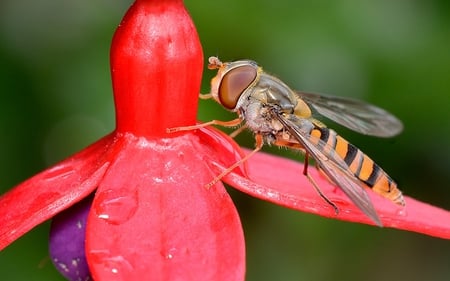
156, 66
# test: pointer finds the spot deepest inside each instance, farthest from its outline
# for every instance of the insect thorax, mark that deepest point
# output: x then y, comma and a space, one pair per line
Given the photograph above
258, 115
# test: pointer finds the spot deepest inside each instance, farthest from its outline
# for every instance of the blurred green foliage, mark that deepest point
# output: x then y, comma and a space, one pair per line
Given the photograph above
56, 98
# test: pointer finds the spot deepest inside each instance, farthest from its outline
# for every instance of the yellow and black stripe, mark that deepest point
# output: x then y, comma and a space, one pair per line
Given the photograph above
361, 166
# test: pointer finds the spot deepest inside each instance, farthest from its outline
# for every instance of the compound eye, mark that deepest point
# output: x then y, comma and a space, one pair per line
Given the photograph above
234, 83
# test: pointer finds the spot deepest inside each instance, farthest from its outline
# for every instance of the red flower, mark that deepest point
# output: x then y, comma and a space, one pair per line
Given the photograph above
151, 214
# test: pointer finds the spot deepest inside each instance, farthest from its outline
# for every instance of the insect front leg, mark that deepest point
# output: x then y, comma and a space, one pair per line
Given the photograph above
231, 123
259, 144
238, 131
205, 96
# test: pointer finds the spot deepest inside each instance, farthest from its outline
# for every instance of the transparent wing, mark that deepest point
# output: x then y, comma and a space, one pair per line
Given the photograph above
332, 165
359, 116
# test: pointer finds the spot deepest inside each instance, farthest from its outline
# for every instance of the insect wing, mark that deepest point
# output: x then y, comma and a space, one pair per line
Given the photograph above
332, 165
359, 116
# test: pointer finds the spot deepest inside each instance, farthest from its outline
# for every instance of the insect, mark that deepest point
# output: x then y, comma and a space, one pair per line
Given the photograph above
278, 115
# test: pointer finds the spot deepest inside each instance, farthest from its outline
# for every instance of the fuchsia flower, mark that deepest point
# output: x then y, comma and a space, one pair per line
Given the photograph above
135, 204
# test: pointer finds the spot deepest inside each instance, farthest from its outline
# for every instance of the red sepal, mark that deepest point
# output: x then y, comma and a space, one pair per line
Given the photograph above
51, 191
159, 221
281, 181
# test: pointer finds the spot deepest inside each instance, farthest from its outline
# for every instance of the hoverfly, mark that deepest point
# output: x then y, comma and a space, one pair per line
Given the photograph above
280, 116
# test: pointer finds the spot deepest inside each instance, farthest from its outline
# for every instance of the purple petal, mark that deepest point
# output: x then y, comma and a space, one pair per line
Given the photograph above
67, 239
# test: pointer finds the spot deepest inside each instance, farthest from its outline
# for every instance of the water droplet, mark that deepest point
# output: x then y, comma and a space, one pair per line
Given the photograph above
401, 212
75, 262
116, 266
170, 254
63, 267
158, 180
168, 165
59, 172
116, 206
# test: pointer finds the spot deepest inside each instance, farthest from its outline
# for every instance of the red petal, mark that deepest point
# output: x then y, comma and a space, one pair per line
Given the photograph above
51, 191
153, 217
281, 181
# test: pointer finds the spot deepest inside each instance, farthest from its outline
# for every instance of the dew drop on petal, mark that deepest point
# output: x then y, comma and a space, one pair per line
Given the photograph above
170, 254
116, 206
59, 172
401, 212
169, 165
114, 266
173, 253
158, 180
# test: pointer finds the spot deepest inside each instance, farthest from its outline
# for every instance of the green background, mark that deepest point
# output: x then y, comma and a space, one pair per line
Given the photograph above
55, 98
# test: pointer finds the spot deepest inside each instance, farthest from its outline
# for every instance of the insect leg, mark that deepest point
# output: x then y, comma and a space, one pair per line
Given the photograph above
306, 163
230, 123
316, 187
237, 131
258, 146
205, 96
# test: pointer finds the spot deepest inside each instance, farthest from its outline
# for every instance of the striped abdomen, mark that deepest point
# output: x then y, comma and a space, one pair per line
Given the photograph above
364, 168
